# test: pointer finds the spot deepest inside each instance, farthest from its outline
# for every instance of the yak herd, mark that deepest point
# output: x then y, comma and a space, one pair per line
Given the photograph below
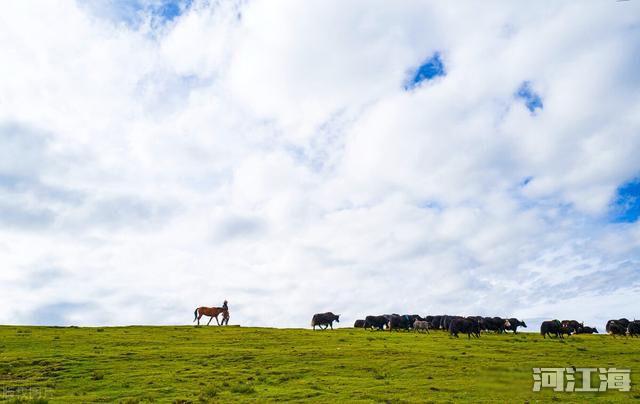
623, 327
474, 325
471, 326
559, 328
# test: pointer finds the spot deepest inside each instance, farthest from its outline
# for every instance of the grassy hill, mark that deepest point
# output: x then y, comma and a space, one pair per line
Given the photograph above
223, 364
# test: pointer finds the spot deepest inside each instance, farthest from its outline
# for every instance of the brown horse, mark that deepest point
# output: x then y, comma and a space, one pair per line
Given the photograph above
213, 312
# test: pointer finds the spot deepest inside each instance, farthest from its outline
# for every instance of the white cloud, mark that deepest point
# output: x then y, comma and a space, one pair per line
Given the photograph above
266, 153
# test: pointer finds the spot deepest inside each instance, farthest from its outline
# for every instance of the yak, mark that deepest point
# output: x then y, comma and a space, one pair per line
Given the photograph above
617, 327
446, 321
572, 325
551, 327
375, 322
421, 325
586, 330
567, 330
633, 329
403, 322
496, 324
514, 323
469, 326
358, 324
325, 319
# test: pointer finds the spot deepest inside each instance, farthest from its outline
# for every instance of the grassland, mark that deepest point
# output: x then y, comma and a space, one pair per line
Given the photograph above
231, 364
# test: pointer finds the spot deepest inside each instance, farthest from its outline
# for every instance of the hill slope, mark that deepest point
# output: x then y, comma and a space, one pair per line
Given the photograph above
133, 364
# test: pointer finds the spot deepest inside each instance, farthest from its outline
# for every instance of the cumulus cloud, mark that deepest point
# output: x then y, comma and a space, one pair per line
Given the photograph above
300, 157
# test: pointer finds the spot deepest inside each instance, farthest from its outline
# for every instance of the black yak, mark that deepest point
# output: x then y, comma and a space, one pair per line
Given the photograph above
572, 325
617, 327
403, 322
469, 326
514, 323
586, 330
633, 329
551, 327
375, 322
567, 330
325, 319
496, 324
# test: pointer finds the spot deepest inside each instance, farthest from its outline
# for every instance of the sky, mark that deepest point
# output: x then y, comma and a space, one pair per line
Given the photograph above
359, 157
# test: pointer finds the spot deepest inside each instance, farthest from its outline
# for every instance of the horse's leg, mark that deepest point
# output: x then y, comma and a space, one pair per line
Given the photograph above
199, 317
216, 316
210, 318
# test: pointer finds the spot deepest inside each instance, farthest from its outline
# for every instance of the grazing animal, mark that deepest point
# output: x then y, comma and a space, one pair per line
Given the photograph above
572, 324
375, 322
435, 322
412, 319
213, 312
469, 326
421, 325
496, 324
624, 322
358, 324
397, 322
617, 327
633, 329
324, 319
446, 321
415, 317
514, 323
567, 330
551, 327
587, 330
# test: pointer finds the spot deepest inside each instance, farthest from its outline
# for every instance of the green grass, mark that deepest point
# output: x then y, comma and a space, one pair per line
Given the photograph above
230, 364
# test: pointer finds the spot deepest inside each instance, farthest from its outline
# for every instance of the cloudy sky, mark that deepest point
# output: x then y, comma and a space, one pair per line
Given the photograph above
293, 157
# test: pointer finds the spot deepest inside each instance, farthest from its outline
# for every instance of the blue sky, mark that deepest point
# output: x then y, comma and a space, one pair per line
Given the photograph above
160, 155
531, 99
132, 12
431, 68
626, 204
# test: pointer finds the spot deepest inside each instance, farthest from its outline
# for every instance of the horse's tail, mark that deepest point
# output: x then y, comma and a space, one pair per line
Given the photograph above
195, 315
